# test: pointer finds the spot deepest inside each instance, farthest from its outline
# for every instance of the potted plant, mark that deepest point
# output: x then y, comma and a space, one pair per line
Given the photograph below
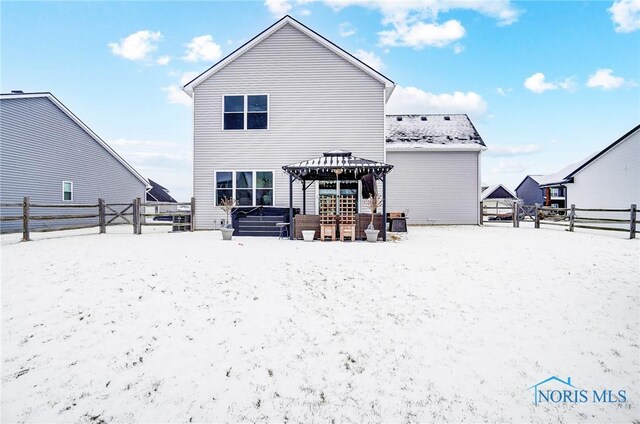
308, 235
227, 205
373, 202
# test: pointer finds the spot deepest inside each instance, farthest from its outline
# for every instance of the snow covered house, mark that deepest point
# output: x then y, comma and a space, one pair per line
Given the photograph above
609, 179
290, 95
48, 154
157, 198
498, 196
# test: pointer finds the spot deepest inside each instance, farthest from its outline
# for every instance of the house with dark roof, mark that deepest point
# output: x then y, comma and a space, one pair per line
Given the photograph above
289, 95
158, 200
496, 197
49, 155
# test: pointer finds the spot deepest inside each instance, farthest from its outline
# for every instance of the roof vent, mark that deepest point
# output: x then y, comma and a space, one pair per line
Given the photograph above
17, 92
447, 118
423, 118
398, 118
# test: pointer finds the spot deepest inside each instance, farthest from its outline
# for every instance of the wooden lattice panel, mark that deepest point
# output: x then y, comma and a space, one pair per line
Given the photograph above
327, 210
347, 210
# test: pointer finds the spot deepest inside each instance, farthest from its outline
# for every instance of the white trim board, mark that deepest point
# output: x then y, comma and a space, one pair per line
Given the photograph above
288, 20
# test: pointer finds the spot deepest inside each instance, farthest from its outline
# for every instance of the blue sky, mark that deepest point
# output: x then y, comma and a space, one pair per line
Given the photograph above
546, 83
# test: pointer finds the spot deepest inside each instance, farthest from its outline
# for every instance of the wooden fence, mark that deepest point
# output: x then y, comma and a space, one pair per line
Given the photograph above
572, 218
105, 214
507, 214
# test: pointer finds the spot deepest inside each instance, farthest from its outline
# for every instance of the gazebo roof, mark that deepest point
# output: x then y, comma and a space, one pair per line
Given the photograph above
323, 167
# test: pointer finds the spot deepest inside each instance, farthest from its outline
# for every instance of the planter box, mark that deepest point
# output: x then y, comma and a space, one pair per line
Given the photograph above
362, 222
306, 222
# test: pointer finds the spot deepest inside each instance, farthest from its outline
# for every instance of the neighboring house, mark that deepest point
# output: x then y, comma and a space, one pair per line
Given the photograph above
609, 179
498, 196
529, 191
49, 155
158, 194
289, 95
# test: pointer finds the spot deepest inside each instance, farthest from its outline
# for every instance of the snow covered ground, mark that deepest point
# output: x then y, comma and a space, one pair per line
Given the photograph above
451, 324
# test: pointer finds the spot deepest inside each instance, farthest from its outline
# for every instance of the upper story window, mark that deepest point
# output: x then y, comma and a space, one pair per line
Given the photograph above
67, 191
555, 192
249, 112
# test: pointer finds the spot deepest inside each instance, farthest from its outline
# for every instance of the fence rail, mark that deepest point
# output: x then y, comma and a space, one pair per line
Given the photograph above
107, 214
571, 220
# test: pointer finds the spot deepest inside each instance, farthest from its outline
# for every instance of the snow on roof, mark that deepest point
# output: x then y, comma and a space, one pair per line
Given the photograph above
562, 176
158, 193
489, 191
431, 130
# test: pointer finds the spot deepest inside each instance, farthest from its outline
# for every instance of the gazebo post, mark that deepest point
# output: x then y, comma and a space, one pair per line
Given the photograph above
384, 207
290, 207
304, 198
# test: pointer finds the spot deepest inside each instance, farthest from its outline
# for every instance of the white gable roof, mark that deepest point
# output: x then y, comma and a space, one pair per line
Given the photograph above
489, 191
288, 20
81, 124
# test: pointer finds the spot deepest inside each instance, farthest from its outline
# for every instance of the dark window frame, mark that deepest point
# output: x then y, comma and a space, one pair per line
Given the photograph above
246, 112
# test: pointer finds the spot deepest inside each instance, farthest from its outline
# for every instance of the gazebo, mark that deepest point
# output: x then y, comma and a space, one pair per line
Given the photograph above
331, 166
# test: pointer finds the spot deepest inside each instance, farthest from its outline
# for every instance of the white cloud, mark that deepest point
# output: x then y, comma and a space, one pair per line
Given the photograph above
458, 48
345, 29
604, 78
305, 12
537, 83
278, 7
419, 35
508, 166
415, 100
177, 96
503, 91
625, 14
163, 60
370, 58
414, 23
167, 162
202, 48
512, 150
136, 46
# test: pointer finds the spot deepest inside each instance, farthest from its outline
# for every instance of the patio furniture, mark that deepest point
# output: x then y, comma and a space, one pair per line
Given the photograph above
284, 229
328, 218
347, 217
306, 222
397, 222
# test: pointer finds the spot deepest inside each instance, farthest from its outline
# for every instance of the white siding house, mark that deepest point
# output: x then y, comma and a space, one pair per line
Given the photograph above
611, 179
289, 95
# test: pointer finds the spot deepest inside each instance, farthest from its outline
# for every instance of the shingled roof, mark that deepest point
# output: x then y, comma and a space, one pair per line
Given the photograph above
415, 130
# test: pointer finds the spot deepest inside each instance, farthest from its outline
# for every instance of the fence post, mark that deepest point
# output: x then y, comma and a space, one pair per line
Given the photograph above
481, 214
517, 215
139, 215
632, 222
572, 217
25, 219
514, 209
537, 221
135, 216
192, 227
102, 222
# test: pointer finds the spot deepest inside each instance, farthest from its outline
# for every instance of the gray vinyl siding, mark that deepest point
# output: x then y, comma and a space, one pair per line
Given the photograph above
530, 192
435, 187
40, 147
318, 102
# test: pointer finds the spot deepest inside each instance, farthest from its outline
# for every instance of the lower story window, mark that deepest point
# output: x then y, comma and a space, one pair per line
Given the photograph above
67, 191
248, 188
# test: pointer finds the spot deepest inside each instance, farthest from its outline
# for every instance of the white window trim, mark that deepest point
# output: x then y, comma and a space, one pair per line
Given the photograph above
63, 183
254, 188
246, 112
